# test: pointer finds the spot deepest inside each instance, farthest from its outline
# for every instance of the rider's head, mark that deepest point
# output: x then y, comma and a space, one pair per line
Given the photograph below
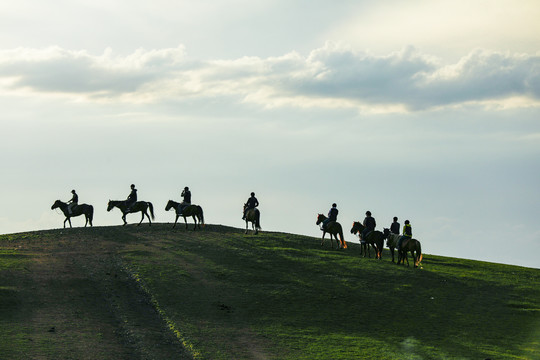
395, 218
133, 186
368, 213
186, 188
252, 194
73, 191
334, 205
407, 222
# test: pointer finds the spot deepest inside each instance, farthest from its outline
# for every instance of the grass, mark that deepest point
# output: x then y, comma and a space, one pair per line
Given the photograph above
141, 292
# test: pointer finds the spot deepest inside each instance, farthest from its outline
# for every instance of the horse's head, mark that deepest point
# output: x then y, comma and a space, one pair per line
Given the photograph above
386, 233
110, 205
169, 205
320, 218
356, 227
56, 204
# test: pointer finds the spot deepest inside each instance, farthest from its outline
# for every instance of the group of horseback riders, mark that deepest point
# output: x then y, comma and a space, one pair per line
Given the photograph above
370, 224
251, 203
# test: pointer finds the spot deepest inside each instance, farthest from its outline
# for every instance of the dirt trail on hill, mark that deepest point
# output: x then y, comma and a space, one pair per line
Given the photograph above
72, 299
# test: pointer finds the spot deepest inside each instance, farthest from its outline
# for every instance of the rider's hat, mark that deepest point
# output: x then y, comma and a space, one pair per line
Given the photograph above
132, 185
73, 191
334, 205
368, 213
252, 194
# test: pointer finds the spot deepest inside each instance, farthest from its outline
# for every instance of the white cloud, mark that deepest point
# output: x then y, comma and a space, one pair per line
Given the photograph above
329, 77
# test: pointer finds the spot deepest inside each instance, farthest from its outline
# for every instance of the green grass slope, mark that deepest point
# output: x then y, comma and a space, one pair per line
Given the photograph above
156, 293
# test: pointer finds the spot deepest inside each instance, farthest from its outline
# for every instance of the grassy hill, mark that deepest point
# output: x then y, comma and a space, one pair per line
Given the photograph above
156, 293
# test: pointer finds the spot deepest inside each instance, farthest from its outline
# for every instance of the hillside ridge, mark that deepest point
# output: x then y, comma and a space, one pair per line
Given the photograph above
153, 292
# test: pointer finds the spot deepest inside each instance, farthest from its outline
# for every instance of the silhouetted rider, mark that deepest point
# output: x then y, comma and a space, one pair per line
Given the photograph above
407, 234
251, 203
369, 223
186, 195
73, 202
394, 227
332, 216
132, 198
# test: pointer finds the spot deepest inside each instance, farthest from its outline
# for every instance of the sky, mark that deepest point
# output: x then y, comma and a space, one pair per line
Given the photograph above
425, 110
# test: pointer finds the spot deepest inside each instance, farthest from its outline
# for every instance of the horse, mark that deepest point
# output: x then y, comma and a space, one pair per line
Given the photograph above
253, 216
374, 238
82, 209
195, 211
364, 246
333, 228
141, 206
412, 245
391, 241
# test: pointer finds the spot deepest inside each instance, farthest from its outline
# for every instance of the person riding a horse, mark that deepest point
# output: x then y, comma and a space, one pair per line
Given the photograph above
186, 195
332, 216
394, 227
369, 223
251, 203
73, 202
407, 234
132, 198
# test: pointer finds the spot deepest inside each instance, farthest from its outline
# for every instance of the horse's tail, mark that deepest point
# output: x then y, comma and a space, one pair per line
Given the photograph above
342, 238
90, 214
202, 216
257, 219
151, 207
419, 251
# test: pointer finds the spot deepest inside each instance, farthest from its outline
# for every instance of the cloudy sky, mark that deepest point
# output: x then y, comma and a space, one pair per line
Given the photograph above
425, 110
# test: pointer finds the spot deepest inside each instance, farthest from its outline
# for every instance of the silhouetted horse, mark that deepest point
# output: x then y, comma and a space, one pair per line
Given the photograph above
333, 228
82, 209
391, 241
195, 211
254, 217
374, 238
408, 245
141, 206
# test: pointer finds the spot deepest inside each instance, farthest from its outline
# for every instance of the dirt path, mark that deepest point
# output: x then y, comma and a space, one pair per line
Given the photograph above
69, 299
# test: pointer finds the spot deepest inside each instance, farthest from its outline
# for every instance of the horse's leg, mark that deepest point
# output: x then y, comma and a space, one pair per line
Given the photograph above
185, 221
142, 218
194, 223
175, 220
65, 222
322, 239
392, 251
124, 218
245, 232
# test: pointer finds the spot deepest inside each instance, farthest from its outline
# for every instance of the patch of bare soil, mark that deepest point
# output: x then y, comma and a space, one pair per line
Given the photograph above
77, 302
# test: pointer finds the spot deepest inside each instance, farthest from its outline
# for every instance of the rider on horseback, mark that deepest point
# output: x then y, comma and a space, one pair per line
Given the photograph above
251, 203
332, 216
132, 198
186, 195
394, 227
369, 223
73, 202
407, 234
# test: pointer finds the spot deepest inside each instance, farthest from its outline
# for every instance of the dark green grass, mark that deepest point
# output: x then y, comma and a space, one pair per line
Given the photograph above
226, 295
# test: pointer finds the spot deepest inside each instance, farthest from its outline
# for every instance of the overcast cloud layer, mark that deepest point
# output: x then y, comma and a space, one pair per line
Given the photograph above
426, 111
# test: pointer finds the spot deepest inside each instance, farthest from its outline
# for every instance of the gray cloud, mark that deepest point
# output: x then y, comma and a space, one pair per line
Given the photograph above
332, 73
